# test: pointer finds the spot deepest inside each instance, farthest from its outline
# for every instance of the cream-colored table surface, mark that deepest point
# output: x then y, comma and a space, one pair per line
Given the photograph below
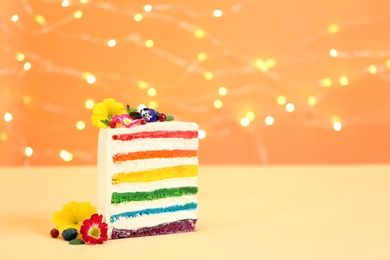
273, 212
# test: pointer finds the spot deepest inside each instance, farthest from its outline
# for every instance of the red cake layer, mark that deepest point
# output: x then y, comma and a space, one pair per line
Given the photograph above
185, 225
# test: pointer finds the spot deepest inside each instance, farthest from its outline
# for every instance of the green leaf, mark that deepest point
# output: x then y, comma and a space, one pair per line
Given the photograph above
128, 109
106, 122
76, 241
169, 118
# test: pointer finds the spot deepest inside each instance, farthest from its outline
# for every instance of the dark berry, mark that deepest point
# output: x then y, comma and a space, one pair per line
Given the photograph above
143, 121
162, 117
69, 234
54, 233
112, 124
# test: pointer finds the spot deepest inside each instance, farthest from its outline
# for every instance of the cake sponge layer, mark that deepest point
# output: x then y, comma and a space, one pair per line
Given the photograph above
185, 225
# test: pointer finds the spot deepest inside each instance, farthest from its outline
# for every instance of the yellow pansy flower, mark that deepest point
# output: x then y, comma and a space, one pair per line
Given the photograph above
72, 215
105, 110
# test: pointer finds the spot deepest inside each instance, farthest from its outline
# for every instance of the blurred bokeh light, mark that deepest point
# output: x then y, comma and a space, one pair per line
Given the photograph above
268, 82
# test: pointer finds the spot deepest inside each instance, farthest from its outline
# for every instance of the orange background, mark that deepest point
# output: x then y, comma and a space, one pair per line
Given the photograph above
259, 51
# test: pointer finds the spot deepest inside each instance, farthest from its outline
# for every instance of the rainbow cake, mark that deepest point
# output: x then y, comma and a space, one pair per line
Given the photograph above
147, 171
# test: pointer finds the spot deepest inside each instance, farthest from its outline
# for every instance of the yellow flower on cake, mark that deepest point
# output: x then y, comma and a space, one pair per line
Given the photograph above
103, 112
72, 215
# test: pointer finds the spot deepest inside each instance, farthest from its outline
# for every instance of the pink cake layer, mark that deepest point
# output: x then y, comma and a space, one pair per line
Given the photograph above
185, 225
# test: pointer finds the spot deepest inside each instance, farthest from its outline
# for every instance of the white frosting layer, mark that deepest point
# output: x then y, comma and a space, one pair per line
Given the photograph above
160, 203
153, 144
107, 147
149, 164
154, 220
155, 185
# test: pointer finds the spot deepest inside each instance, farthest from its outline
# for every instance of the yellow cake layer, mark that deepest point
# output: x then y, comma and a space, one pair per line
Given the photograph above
182, 171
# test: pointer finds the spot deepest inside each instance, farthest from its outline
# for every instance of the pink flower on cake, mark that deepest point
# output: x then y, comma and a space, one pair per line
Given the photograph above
93, 230
125, 120
72, 215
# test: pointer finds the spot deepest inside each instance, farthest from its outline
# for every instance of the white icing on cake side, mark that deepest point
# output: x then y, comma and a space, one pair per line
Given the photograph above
107, 147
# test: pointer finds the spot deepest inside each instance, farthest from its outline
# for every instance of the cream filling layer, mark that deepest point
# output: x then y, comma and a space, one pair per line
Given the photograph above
150, 127
149, 164
153, 220
154, 185
153, 144
141, 205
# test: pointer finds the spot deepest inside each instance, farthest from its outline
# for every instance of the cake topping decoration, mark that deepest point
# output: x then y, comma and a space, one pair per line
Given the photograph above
110, 113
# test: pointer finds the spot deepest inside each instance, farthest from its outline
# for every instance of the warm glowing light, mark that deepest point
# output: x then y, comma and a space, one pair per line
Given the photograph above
208, 75
218, 103
333, 53
89, 104
148, 8
65, 3
265, 65
84, 1
66, 156
91, 79
281, 100
78, 14
372, 69
152, 104
199, 33
222, 91
152, 92
111, 43
261, 65
15, 18
327, 82
27, 66
138, 17
149, 43
250, 115
344, 81
270, 63
3, 136
290, 107
28, 151
201, 134
334, 28
80, 125
337, 126
40, 19
312, 101
7, 117
244, 121
142, 84
20, 56
269, 120
202, 56
217, 13
388, 63
26, 99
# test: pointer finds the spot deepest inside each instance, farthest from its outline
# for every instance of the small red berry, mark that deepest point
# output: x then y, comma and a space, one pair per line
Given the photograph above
54, 233
143, 121
162, 117
112, 124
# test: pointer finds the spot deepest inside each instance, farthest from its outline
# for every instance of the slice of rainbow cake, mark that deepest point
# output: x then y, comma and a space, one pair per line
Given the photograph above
147, 178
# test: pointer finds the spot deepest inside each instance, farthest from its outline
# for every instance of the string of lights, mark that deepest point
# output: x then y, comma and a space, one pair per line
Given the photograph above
217, 65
